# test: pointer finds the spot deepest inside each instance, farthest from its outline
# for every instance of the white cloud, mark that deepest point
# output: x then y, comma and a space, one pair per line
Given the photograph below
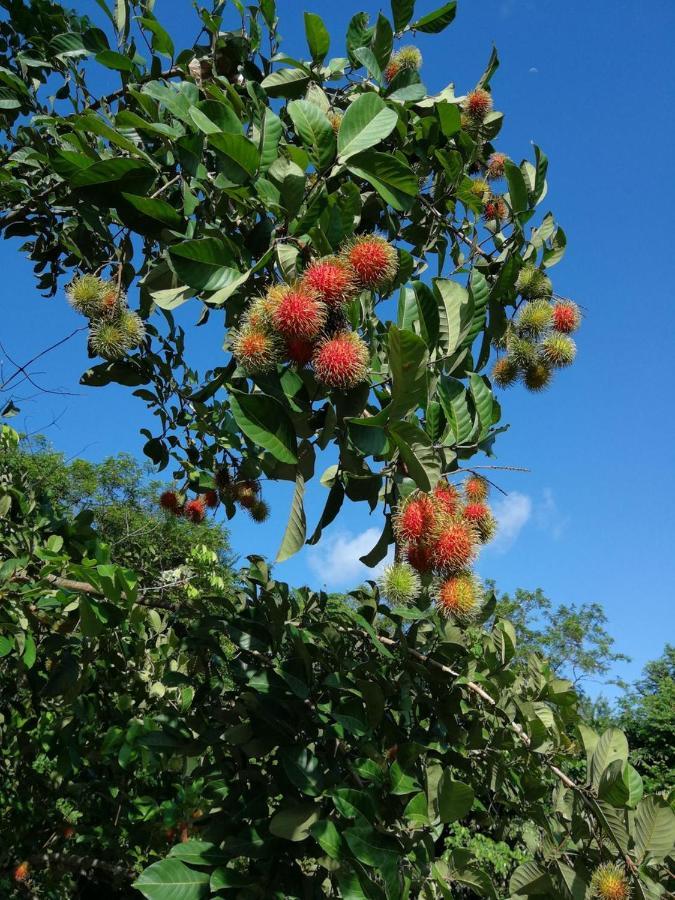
533, 70
335, 560
549, 517
512, 512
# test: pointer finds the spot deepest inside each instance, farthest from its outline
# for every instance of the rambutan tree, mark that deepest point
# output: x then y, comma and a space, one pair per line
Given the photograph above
372, 257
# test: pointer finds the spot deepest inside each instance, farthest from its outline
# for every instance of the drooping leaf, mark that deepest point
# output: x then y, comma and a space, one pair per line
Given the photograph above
296, 530
367, 121
438, 20
318, 38
265, 422
455, 798
315, 131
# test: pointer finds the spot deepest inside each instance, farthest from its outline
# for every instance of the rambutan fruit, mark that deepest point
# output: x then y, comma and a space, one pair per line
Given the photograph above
222, 478
84, 294
246, 493
476, 489
21, 872
409, 58
195, 510
420, 557
170, 501
210, 499
416, 518
475, 513
332, 279
495, 166
392, 69
566, 316
459, 596
258, 314
107, 339
558, 350
341, 361
505, 371
259, 511
538, 376
447, 496
480, 189
373, 259
532, 283
336, 321
455, 547
335, 117
399, 583
486, 528
299, 350
534, 318
255, 350
132, 328
609, 882
495, 210
478, 104
522, 352
299, 313
68, 832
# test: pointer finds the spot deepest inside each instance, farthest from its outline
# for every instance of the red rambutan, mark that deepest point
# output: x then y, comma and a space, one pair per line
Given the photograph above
496, 210
476, 513
195, 510
299, 350
419, 557
373, 259
299, 313
21, 872
478, 104
170, 501
415, 520
332, 279
476, 489
254, 349
392, 69
341, 361
459, 596
455, 548
447, 496
566, 316
495, 165
210, 499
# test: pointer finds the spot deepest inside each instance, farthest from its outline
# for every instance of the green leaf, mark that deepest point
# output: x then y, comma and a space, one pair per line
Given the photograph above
366, 56
328, 838
198, 852
530, 878
353, 804
401, 782
371, 848
286, 83
390, 175
265, 422
108, 171
358, 34
213, 117
479, 290
517, 187
620, 784
318, 38
367, 121
416, 810
170, 879
436, 21
238, 155
379, 551
161, 39
293, 823
612, 745
272, 130
315, 131
417, 452
201, 264
484, 402
296, 530
113, 60
408, 358
455, 314
383, 41
452, 396
654, 829
302, 769
449, 117
402, 12
455, 798
155, 208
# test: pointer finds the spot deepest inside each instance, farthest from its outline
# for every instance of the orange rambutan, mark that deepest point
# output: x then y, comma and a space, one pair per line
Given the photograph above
373, 259
459, 596
478, 104
299, 313
566, 316
210, 499
495, 165
21, 872
495, 210
476, 489
246, 493
416, 518
255, 350
447, 496
505, 371
332, 279
195, 510
455, 547
476, 513
170, 501
341, 361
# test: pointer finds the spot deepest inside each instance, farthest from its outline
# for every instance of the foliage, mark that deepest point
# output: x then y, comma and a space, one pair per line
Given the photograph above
313, 755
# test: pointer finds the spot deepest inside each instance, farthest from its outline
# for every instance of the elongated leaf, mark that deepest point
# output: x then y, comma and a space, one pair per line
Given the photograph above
418, 454
359, 34
286, 83
390, 175
455, 314
402, 12
315, 131
170, 879
620, 785
408, 358
155, 208
198, 852
455, 798
452, 395
202, 264
294, 822
383, 41
379, 551
654, 828
370, 847
265, 422
318, 38
111, 170
366, 56
480, 292
113, 60
483, 400
612, 745
296, 530
530, 878
238, 153
517, 187
272, 130
438, 20
332, 508
367, 122
328, 838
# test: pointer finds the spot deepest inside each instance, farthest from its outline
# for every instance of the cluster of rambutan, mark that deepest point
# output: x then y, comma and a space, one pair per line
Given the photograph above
404, 59
439, 535
305, 322
245, 492
192, 510
538, 340
114, 329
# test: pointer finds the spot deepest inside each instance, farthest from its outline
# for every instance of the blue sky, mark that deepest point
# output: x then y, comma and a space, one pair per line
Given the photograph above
592, 84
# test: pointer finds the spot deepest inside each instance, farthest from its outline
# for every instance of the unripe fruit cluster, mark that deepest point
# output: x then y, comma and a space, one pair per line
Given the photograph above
405, 59
538, 340
114, 329
439, 534
245, 493
305, 322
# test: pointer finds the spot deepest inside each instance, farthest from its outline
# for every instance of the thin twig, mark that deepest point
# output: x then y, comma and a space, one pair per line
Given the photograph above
39, 356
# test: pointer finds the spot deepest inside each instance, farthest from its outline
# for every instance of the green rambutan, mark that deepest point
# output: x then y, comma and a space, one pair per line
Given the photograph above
332, 279
480, 189
538, 375
85, 293
505, 371
534, 318
460, 596
373, 259
447, 496
522, 352
299, 313
107, 339
409, 58
476, 489
609, 882
558, 350
416, 518
170, 501
566, 316
341, 361
487, 528
258, 315
533, 283
259, 511
132, 328
455, 547
399, 583
255, 350
495, 166
195, 510
335, 117
478, 104
210, 499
